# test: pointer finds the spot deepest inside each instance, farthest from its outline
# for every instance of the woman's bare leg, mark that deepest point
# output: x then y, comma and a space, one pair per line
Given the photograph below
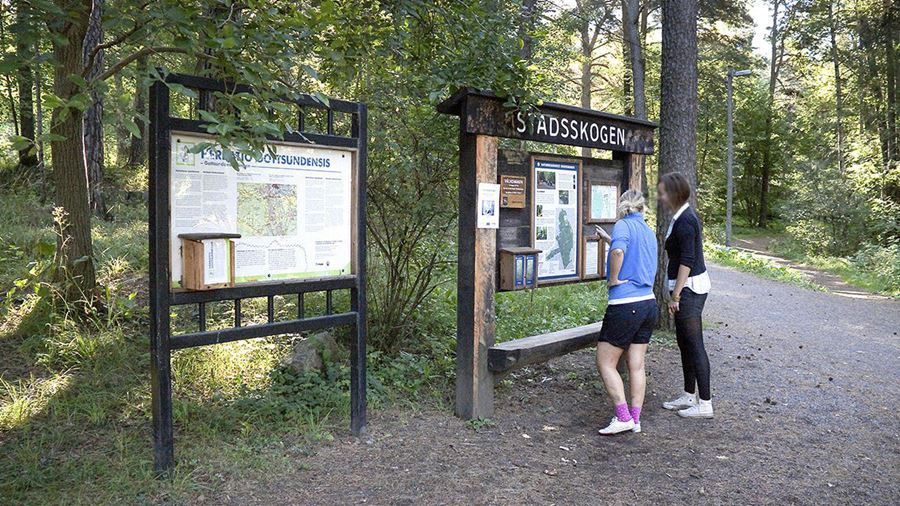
637, 381
607, 359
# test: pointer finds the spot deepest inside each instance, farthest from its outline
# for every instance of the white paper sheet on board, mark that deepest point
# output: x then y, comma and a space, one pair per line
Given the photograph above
488, 205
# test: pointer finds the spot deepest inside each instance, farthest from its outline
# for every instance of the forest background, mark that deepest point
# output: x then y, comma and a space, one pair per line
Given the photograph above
816, 169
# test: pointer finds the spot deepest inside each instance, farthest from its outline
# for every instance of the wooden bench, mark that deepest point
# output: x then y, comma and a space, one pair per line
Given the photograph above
517, 353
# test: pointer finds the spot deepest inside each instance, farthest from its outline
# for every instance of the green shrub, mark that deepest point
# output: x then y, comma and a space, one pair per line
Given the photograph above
882, 262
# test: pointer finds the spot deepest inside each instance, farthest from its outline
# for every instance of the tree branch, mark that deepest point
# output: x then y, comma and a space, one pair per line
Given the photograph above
114, 42
111, 71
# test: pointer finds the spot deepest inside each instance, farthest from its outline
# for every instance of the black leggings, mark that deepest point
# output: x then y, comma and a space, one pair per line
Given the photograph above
689, 334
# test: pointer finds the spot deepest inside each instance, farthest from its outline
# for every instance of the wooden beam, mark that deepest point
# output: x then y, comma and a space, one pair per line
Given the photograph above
633, 165
518, 353
476, 280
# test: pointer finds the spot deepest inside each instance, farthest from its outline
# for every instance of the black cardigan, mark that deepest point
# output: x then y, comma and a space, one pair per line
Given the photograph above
685, 245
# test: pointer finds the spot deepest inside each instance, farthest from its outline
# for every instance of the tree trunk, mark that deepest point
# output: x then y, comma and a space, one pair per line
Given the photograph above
93, 115
9, 85
74, 259
838, 92
631, 15
23, 32
678, 118
123, 137
631, 23
763, 217
526, 25
587, 53
137, 150
39, 120
890, 60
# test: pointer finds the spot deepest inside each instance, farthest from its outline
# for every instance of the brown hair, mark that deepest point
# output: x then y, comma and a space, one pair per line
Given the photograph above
678, 188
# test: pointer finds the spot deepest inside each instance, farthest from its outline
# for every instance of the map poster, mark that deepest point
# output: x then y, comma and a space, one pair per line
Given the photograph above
604, 198
291, 207
556, 223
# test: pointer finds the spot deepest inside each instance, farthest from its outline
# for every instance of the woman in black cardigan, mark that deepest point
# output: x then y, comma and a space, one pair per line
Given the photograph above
688, 287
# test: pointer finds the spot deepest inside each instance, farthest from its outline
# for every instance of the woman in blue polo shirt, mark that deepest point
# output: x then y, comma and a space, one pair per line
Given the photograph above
631, 314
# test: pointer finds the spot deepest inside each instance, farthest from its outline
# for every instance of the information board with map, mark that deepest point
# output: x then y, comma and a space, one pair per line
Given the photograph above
556, 221
292, 207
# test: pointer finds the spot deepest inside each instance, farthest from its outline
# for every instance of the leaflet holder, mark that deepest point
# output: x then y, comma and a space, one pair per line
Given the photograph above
208, 260
518, 268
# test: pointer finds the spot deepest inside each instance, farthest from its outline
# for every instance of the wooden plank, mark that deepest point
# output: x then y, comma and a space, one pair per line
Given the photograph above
631, 175
636, 164
476, 281
518, 353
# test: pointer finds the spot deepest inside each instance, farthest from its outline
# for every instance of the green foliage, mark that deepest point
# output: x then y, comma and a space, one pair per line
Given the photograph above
748, 263
477, 424
873, 267
528, 312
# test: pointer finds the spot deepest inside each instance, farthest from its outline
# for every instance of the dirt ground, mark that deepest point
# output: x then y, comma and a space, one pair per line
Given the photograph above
805, 388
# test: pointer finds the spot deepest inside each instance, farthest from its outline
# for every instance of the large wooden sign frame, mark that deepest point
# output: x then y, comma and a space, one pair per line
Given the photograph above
483, 118
163, 297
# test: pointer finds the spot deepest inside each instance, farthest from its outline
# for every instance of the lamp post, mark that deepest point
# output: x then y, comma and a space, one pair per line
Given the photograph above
730, 185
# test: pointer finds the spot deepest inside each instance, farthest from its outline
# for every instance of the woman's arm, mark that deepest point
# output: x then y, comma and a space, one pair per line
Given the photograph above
684, 272
686, 237
603, 234
616, 257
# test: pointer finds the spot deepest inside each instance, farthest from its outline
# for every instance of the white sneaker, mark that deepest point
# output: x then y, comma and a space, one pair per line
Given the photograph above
637, 427
685, 401
616, 427
703, 409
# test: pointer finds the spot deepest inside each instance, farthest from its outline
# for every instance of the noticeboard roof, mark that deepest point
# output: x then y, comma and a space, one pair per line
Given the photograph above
451, 105
485, 113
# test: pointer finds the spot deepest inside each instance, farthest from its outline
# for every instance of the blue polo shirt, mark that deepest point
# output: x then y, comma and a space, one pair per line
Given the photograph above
632, 235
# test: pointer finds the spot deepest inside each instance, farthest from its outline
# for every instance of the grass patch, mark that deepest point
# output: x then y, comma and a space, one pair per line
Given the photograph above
873, 268
746, 262
525, 312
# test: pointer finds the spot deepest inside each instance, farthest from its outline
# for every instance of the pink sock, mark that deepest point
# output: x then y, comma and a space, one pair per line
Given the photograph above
622, 412
636, 414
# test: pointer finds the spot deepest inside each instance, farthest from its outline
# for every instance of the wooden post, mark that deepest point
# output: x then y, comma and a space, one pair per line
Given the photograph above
476, 280
631, 175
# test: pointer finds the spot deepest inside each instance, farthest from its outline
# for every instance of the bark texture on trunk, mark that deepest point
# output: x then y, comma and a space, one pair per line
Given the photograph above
137, 150
677, 119
93, 115
588, 41
892, 25
25, 80
526, 25
838, 91
633, 37
75, 265
631, 19
762, 219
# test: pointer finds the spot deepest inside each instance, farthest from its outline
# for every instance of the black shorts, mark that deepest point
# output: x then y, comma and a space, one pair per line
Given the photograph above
627, 324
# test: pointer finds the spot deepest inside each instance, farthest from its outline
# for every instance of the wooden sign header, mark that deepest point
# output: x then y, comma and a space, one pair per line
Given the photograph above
485, 113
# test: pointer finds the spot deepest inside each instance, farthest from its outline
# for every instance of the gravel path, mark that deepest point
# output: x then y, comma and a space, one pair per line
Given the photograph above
805, 386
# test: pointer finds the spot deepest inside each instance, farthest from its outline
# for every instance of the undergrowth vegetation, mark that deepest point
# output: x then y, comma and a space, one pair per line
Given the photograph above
748, 263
